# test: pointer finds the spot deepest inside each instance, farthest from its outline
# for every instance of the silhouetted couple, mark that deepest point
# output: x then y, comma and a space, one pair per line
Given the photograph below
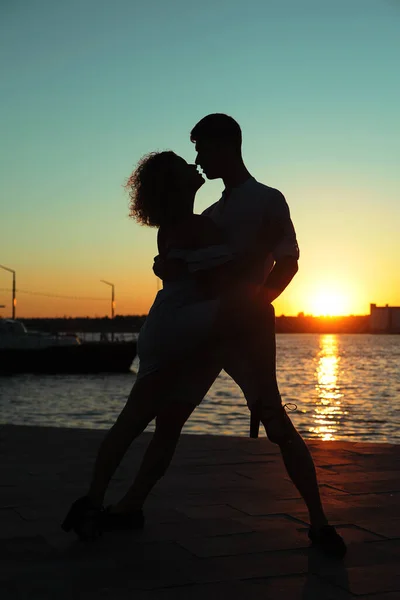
221, 271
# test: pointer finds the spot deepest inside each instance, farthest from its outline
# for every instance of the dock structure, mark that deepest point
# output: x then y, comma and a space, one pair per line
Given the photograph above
384, 319
225, 522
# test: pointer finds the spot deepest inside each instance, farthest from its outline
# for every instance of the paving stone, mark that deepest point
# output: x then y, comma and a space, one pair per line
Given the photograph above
360, 476
249, 566
271, 522
353, 534
372, 579
224, 522
308, 587
213, 527
39, 513
24, 547
382, 502
214, 591
331, 491
9, 590
365, 449
370, 487
360, 515
216, 510
294, 588
384, 596
12, 496
358, 555
186, 499
260, 506
245, 543
164, 514
389, 528
13, 526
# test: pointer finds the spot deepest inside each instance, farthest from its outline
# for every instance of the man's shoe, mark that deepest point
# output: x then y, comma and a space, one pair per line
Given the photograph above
113, 521
328, 540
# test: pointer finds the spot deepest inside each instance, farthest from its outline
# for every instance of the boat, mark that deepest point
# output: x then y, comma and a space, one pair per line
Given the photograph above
23, 351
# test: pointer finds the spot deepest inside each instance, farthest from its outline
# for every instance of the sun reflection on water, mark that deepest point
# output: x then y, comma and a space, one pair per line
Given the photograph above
328, 410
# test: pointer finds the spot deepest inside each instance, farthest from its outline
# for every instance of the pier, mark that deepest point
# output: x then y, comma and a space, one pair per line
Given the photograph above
225, 522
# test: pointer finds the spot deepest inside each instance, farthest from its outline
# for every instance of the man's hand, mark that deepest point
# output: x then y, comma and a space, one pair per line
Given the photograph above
158, 265
279, 278
268, 295
169, 269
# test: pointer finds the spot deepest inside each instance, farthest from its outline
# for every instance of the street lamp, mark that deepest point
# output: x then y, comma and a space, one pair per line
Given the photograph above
14, 299
112, 303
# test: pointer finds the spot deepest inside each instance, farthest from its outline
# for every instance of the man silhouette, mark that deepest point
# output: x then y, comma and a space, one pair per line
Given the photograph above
245, 203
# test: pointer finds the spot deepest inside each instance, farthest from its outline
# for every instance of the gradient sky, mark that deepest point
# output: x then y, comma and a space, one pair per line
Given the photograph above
89, 86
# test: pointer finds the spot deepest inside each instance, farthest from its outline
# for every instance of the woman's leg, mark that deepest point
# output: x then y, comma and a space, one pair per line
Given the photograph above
186, 383
140, 409
169, 423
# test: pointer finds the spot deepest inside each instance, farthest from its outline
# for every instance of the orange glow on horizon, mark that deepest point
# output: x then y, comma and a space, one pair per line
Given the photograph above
328, 304
52, 295
330, 301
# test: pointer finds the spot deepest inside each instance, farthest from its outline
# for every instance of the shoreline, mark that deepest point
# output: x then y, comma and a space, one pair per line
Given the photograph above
201, 434
121, 324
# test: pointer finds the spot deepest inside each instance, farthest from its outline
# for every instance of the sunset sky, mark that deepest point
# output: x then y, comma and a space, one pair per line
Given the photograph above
89, 86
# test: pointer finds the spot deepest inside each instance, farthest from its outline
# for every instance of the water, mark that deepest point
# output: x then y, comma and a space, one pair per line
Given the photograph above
346, 387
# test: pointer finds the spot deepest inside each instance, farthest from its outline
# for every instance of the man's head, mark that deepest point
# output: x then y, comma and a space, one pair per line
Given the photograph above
218, 140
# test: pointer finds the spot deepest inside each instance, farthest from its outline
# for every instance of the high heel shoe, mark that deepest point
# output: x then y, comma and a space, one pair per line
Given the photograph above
84, 519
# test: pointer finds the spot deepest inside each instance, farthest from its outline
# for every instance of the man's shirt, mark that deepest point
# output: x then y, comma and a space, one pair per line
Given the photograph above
241, 216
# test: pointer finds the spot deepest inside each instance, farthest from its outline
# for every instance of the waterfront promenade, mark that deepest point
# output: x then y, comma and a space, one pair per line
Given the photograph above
224, 523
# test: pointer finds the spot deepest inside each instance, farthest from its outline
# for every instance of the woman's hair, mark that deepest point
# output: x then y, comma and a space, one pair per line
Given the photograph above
151, 187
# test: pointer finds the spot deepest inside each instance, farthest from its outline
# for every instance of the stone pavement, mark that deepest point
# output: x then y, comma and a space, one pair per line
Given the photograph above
224, 523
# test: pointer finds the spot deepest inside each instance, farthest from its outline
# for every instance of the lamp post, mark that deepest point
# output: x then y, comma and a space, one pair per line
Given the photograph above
14, 299
112, 303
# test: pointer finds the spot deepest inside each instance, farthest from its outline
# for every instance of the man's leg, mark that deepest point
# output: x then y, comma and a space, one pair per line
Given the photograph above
254, 370
300, 467
298, 461
158, 456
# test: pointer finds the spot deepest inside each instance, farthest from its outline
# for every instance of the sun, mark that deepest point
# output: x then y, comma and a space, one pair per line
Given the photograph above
328, 303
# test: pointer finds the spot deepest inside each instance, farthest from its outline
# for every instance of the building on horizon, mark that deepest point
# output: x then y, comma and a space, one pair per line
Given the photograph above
384, 319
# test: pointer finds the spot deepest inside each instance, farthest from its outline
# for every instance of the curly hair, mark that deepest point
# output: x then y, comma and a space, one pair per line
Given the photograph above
150, 187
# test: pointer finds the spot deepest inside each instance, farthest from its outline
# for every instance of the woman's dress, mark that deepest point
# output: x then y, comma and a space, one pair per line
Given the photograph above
180, 321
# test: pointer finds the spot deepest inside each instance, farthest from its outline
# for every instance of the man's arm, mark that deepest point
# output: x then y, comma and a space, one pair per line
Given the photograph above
285, 252
279, 278
169, 269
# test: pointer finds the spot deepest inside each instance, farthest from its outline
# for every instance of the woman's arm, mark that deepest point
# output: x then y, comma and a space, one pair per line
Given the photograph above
193, 245
194, 233
198, 247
